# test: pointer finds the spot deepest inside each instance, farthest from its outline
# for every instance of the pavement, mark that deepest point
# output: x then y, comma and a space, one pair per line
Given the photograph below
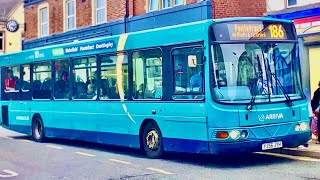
312, 151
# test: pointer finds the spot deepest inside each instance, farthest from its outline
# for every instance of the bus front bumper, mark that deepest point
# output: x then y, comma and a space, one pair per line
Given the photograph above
256, 145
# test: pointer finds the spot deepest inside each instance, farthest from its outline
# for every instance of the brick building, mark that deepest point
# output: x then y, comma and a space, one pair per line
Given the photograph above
59, 21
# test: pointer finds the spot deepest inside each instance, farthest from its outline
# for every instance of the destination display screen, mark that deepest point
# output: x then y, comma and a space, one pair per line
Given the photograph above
253, 30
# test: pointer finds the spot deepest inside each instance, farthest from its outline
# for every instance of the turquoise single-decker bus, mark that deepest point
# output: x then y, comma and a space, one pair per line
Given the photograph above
214, 87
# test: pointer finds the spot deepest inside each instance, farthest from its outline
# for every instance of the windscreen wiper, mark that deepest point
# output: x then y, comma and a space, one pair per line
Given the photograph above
252, 101
254, 90
289, 101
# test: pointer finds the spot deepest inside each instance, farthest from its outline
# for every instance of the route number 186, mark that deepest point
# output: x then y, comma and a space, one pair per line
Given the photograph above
276, 31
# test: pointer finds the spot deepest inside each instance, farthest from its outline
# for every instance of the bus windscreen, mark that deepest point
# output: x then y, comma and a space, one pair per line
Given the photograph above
253, 30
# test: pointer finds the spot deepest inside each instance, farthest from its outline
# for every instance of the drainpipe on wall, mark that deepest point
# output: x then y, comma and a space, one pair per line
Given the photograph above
126, 16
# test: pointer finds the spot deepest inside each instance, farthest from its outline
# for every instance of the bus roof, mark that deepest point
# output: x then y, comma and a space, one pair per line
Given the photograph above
195, 31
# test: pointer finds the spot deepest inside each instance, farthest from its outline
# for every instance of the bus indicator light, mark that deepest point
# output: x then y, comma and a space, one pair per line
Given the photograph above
222, 135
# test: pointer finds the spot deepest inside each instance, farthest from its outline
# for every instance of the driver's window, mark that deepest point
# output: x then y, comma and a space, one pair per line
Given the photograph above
42, 80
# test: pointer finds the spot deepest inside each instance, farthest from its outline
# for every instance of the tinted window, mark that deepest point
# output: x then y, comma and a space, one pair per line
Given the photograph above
11, 82
85, 78
147, 74
62, 82
114, 77
42, 80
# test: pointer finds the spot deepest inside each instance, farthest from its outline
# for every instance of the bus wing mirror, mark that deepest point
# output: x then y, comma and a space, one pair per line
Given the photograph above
192, 61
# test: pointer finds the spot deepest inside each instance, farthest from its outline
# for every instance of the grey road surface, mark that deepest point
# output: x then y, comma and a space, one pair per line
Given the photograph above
21, 158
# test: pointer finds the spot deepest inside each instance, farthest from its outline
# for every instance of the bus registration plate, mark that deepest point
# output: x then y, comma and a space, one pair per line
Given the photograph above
272, 145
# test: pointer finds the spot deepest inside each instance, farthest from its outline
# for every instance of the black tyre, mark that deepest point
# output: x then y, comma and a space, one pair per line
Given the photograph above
38, 129
152, 141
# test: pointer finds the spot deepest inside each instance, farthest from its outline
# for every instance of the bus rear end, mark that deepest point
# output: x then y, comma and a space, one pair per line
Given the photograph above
257, 96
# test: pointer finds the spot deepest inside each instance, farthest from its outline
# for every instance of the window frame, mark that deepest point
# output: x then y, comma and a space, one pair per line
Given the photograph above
44, 23
174, 4
173, 93
67, 16
54, 79
100, 70
132, 76
31, 65
158, 7
95, 12
72, 70
162, 4
294, 5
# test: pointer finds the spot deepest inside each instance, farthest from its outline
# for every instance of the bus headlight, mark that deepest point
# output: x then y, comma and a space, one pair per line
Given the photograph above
303, 126
234, 134
297, 128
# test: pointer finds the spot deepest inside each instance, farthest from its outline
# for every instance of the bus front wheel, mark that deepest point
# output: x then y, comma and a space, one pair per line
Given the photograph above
37, 129
152, 141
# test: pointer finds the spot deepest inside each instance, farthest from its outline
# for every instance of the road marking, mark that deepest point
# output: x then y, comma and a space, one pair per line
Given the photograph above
297, 158
85, 154
54, 147
26, 140
8, 174
119, 161
160, 171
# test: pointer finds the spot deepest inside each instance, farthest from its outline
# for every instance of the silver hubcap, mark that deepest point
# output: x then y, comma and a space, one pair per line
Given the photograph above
152, 139
38, 130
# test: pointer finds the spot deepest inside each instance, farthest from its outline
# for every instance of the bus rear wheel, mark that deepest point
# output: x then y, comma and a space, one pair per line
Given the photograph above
37, 129
152, 141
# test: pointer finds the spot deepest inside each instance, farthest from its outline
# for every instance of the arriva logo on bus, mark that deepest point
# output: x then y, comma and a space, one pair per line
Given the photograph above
270, 117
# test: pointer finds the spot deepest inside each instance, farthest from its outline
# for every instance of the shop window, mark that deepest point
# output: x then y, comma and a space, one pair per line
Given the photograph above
147, 74
42, 80
114, 77
85, 78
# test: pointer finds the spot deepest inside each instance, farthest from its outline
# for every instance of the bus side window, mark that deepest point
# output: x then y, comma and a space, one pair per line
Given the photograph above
188, 81
42, 80
114, 76
147, 74
85, 78
11, 83
62, 81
